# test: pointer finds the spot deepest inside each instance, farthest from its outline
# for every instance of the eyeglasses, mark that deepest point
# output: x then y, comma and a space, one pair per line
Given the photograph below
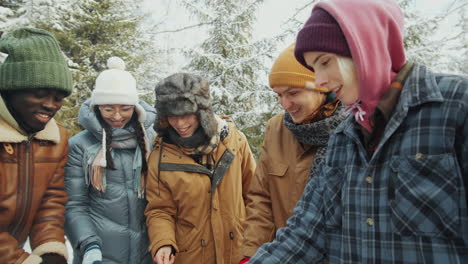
111, 110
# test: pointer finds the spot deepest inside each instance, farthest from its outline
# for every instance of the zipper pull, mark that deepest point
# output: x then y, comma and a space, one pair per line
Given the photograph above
28, 144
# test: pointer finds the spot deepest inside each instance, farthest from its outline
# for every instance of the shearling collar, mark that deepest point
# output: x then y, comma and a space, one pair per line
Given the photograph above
8, 134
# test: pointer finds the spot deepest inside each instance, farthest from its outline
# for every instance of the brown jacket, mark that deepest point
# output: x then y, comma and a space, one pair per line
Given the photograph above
204, 226
279, 181
32, 195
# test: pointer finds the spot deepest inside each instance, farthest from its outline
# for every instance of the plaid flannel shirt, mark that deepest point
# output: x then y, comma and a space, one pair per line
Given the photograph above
404, 204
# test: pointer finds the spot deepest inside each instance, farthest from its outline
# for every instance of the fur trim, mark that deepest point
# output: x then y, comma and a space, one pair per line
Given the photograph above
32, 259
208, 122
50, 132
52, 247
184, 94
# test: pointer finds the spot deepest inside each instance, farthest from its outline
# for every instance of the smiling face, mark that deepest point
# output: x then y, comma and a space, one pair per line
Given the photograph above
337, 74
116, 115
184, 125
33, 108
300, 103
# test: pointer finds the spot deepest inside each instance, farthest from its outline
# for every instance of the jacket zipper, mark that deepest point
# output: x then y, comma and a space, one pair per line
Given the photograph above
24, 186
203, 245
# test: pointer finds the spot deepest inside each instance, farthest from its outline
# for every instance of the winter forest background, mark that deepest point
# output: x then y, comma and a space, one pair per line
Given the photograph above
218, 39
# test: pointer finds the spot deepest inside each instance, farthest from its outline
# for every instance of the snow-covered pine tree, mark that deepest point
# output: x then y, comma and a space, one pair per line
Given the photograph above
234, 64
424, 40
464, 40
11, 14
425, 43
89, 32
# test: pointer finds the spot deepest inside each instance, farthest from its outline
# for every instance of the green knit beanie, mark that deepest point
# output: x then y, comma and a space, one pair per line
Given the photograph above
34, 60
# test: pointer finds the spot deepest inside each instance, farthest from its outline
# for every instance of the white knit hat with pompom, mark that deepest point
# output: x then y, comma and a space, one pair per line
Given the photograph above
115, 85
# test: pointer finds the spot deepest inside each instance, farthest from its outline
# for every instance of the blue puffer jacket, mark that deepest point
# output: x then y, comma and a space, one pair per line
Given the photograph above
114, 219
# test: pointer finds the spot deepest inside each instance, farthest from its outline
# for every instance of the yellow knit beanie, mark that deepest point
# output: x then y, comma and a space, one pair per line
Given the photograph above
287, 71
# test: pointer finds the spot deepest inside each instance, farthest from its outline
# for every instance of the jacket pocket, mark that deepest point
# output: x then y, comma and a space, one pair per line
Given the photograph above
426, 195
333, 206
277, 169
194, 255
186, 235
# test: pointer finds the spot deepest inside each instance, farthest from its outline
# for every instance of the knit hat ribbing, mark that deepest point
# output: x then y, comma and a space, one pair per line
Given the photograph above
287, 71
185, 94
321, 32
34, 61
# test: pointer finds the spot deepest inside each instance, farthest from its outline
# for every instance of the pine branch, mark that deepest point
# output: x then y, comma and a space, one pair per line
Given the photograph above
179, 29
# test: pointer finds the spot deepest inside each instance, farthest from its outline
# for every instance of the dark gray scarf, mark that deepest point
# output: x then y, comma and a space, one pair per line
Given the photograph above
197, 139
316, 134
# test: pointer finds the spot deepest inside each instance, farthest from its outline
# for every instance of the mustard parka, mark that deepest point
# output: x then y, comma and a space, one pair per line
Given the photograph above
282, 173
187, 207
279, 181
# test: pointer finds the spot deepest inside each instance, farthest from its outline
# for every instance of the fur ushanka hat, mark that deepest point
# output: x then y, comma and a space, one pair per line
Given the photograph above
184, 94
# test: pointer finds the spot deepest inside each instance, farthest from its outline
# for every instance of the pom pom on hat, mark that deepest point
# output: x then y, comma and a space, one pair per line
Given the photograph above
116, 63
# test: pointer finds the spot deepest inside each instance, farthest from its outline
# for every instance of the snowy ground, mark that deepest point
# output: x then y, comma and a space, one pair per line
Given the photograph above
70, 250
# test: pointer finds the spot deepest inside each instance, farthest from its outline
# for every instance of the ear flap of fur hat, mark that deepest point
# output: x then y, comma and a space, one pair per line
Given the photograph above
184, 94
208, 122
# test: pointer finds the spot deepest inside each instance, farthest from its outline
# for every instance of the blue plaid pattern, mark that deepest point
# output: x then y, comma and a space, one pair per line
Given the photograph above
404, 204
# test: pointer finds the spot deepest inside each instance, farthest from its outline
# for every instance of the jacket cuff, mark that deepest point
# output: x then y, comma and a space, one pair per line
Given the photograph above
249, 251
83, 244
52, 247
32, 259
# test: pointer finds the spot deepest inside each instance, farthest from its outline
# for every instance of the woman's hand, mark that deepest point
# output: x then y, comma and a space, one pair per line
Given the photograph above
164, 255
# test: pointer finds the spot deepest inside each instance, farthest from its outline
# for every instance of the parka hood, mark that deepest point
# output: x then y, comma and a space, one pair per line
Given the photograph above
374, 32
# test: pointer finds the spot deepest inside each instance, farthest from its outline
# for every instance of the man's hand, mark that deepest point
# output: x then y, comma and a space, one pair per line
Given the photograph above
164, 255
